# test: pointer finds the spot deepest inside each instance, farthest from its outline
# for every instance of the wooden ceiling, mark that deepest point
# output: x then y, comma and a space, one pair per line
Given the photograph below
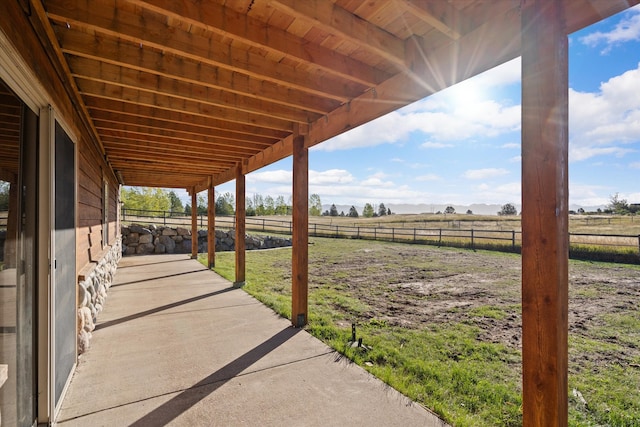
180, 92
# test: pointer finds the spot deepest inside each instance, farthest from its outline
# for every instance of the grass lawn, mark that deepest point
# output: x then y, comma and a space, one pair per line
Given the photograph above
443, 325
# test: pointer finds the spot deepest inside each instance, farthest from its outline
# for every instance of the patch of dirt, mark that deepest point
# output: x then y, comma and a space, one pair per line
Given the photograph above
414, 286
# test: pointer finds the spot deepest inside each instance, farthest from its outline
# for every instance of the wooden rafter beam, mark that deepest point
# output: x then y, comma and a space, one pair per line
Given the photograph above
333, 19
145, 30
158, 85
179, 71
171, 103
441, 15
229, 23
185, 131
144, 112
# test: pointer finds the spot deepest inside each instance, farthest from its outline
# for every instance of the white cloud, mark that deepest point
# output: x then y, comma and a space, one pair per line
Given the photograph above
498, 194
603, 122
478, 174
510, 145
515, 159
272, 177
634, 165
428, 177
331, 176
628, 29
463, 111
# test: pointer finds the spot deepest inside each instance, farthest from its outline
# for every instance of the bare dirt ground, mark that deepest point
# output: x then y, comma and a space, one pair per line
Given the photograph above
413, 286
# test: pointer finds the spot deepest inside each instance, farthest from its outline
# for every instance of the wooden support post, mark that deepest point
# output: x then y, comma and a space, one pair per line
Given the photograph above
240, 227
211, 226
544, 213
300, 235
194, 224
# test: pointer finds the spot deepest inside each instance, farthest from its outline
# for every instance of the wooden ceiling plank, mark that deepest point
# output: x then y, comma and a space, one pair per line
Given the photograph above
441, 15
202, 120
142, 81
106, 119
84, 62
165, 102
150, 142
148, 32
229, 23
342, 23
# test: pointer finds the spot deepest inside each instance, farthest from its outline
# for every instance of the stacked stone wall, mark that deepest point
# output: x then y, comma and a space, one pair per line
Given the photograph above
93, 285
139, 240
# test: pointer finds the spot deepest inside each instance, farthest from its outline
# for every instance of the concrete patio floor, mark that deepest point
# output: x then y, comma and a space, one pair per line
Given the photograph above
178, 345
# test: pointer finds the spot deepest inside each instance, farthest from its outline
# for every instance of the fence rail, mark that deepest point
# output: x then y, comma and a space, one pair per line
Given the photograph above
617, 245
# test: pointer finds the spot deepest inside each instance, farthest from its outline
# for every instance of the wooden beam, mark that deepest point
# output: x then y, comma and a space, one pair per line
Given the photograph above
189, 72
229, 23
194, 224
545, 235
211, 225
441, 15
153, 83
144, 112
335, 20
180, 104
300, 238
145, 29
240, 226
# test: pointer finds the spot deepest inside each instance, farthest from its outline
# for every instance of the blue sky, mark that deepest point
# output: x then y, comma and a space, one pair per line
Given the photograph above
462, 145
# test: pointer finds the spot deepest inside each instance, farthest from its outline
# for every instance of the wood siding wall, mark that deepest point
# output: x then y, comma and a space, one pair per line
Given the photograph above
23, 29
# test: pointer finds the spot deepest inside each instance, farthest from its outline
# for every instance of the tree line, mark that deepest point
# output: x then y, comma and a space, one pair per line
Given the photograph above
159, 199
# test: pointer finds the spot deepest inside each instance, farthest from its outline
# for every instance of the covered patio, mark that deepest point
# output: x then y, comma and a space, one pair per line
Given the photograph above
192, 94
179, 345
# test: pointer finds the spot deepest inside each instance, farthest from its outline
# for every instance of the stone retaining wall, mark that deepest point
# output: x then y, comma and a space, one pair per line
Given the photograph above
139, 240
93, 283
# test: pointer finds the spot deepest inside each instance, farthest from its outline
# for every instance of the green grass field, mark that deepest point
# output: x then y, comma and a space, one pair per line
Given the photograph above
443, 325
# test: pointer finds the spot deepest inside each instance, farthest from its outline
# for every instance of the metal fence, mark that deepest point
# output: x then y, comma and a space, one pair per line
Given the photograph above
505, 240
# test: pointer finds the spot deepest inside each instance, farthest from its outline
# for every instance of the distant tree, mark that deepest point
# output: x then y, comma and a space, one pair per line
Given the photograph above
202, 205
250, 209
258, 204
187, 209
281, 206
224, 204
382, 210
175, 204
342, 213
333, 211
617, 205
389, 211
469, 212
353, 212
367, 212
325, 213
508, 209
599, 210
315, 205
581, 211
269, 206
450, 210
439, 213
145, 198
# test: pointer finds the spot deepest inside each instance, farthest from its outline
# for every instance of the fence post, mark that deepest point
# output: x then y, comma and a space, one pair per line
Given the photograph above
164, 218
336, 230
513, 239
414, 235
472, 245
639, 243
358, 235
440, 237
393, 234
124, 214
375, 233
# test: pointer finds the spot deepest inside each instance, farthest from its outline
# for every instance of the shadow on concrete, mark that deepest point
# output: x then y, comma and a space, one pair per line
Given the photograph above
150, 279
180, 403
161, 308
186, 258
